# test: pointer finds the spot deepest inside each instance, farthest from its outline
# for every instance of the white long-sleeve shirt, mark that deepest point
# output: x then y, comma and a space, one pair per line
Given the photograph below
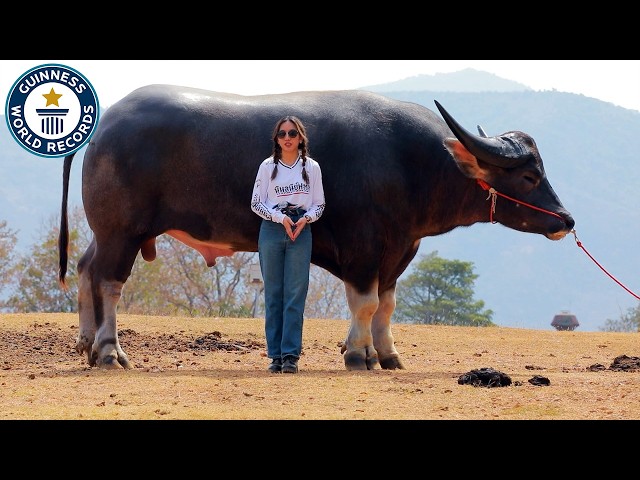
288, 188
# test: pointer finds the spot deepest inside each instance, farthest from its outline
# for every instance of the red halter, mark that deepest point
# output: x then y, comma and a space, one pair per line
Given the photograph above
493, 195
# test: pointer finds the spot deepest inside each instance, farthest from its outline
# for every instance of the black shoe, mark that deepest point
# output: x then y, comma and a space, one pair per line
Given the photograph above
276, 365
290, 364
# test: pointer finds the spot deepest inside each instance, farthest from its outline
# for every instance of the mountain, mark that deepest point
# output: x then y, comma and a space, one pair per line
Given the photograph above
468, 80
31, 188
589, 148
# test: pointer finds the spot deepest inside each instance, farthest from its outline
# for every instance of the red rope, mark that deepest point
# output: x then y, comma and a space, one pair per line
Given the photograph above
493, 195
579, 243
493, 192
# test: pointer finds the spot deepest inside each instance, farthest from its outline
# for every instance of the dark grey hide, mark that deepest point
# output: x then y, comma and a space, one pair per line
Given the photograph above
182, 161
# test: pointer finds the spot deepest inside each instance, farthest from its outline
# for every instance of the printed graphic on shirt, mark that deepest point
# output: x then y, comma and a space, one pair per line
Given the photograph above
259, 208
298, 187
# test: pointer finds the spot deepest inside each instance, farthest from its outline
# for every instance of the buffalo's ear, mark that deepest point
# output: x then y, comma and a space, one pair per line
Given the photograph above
467, 163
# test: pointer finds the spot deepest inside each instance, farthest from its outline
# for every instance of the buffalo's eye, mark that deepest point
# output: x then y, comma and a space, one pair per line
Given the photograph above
532, 179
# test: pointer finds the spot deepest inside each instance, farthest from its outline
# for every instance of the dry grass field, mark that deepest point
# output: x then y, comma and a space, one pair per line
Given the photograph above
215, 368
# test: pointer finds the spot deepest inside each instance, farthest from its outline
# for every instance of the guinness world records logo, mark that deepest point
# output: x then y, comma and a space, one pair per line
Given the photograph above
52, 110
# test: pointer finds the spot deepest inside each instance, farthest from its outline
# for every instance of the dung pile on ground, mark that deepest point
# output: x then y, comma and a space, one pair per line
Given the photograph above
626, 364
539, 380
622, 363
485, 377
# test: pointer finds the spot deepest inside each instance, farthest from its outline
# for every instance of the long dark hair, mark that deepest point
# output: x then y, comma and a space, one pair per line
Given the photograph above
303, 145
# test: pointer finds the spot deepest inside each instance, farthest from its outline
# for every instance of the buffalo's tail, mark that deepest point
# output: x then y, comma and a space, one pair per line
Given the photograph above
63, 238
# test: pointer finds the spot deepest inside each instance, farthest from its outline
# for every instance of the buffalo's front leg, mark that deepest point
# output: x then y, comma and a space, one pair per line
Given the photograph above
359, 352
381, 329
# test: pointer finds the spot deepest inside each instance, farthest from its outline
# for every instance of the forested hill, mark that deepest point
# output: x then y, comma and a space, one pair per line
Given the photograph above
591, 153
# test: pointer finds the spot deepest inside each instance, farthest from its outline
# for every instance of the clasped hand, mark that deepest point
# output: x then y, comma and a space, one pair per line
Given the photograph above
294, 229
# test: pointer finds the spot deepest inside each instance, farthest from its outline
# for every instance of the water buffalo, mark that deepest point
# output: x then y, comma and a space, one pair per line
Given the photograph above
182, 161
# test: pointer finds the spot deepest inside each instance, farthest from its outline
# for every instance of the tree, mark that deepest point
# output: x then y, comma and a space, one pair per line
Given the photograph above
326, 297
440, 292
178, 282
8, 241
35, 286
629, 321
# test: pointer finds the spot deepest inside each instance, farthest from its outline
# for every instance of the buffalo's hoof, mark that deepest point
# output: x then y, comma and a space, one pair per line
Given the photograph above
124, 361
110, 363
367, 360
92, 358
83, 344
391, 363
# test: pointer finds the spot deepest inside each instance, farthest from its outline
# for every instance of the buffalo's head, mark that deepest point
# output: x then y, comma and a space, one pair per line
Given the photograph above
511, 164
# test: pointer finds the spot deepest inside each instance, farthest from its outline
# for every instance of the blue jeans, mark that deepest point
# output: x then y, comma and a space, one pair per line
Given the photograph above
285, 269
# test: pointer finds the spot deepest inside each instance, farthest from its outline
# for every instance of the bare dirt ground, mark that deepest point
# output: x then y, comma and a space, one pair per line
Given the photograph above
215, 368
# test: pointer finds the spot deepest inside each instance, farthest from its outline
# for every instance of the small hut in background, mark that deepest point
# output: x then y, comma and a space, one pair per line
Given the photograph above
565, 321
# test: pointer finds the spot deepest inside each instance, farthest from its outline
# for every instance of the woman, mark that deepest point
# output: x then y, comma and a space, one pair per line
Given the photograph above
288, 195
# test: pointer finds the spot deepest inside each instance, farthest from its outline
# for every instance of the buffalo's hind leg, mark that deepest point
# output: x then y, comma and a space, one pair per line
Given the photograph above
105, 271
88, 327
106, 346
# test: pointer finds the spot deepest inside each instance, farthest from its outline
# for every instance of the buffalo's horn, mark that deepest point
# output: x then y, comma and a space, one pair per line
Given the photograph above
482, 132
503, 151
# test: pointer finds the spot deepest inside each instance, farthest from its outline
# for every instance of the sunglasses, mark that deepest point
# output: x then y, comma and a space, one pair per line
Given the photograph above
292, 133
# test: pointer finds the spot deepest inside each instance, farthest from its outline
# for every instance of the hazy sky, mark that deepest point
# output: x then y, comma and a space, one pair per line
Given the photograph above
614, 81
